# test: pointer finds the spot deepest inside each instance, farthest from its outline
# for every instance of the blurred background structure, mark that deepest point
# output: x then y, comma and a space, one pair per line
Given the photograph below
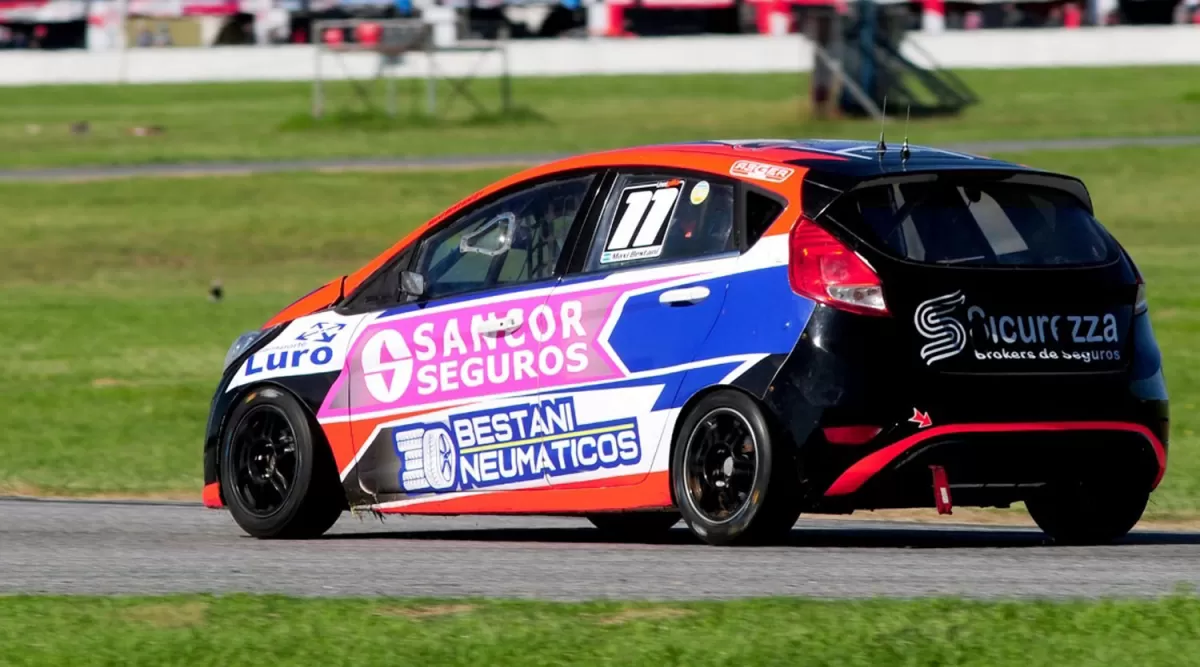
106, 24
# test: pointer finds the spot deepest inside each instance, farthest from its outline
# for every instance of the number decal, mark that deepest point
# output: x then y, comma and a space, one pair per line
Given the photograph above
642, 222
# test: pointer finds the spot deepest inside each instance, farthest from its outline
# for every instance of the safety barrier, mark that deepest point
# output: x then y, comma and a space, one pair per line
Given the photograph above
1114, 46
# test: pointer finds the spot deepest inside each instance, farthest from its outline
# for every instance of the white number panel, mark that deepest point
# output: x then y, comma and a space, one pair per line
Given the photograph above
642, 220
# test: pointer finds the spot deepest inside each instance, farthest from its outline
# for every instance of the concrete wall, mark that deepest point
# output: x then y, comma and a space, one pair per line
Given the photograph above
1174, 45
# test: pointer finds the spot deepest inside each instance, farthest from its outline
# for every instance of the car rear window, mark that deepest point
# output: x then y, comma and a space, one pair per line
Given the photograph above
945, 221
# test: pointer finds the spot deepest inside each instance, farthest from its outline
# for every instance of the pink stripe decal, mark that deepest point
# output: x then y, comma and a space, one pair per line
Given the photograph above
419, 359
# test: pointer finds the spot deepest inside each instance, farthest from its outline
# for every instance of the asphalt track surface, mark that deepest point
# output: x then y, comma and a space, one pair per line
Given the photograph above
105, 547
480, 161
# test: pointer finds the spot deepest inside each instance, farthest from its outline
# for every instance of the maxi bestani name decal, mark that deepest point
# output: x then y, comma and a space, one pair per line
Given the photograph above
1003, 336
511, 347
516, 443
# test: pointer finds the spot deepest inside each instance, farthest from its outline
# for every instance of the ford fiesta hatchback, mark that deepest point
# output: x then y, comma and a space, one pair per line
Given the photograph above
731, 332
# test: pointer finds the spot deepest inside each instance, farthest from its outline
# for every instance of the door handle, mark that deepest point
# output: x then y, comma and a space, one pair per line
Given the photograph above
686, 296
496, 326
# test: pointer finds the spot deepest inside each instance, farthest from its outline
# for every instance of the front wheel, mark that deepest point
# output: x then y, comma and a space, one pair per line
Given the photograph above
733, 478
1087, 512
277, 476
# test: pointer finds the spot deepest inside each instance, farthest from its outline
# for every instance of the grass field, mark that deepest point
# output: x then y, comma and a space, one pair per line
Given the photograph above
262, 120
110, 349
286, 631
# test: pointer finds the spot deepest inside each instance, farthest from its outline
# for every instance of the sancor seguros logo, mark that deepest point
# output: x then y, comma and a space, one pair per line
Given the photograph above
376, 366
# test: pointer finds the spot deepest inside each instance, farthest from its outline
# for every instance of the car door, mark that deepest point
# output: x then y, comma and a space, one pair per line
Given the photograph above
649, 289
439, 385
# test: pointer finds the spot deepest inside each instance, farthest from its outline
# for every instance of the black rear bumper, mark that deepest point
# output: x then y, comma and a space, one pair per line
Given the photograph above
998, 437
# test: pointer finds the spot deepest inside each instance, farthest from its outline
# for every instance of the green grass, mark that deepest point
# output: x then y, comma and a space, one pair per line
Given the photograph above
240, 629
110, 349
268, 120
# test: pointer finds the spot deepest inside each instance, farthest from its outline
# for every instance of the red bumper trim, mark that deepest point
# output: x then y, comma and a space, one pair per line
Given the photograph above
211, 496
868, 466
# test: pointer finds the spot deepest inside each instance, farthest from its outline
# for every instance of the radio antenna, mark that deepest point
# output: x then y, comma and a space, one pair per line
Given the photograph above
905, 153
881, 147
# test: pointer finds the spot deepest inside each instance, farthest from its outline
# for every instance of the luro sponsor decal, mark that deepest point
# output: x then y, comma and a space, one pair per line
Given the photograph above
511, 347
512, 444
289, 357
947, 322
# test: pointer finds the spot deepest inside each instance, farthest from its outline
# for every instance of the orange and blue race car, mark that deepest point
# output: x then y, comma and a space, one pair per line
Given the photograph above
727, 332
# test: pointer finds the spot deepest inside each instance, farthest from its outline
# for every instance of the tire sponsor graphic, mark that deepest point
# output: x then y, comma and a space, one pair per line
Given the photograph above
430, 459
516, 443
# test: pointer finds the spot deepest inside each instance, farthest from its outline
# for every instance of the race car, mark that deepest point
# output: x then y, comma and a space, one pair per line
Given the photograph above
729, 333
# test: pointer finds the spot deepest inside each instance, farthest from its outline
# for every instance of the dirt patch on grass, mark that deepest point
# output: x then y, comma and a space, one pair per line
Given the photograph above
104, 383
16, 489
647, 614
168, 615
431, 611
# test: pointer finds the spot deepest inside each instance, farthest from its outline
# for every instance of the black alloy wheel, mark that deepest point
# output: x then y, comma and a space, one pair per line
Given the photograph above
278, 476
265, 450
734, 476
722, 461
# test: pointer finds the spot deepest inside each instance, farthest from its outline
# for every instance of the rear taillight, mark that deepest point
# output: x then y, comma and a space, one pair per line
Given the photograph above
824, 270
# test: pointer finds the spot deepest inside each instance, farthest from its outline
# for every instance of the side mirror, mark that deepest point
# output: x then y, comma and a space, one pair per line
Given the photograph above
412, 283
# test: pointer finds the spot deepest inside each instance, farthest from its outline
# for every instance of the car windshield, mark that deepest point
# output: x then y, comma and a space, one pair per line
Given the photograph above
976, 223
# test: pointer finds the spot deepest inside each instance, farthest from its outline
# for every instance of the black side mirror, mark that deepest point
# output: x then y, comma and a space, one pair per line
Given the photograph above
412, 284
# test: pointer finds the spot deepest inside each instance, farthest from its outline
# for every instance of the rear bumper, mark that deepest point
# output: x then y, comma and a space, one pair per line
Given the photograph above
1008, 456
998, 437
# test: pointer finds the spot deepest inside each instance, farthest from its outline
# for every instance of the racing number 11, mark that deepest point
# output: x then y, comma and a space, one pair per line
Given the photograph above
640, 230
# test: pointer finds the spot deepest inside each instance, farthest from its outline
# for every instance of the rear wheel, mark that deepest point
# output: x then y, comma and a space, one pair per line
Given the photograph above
734, 482
634, 525
277, 476
1094, 511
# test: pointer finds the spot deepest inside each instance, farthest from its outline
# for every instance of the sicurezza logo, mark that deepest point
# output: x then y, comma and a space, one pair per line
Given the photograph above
946, 334
1015, 337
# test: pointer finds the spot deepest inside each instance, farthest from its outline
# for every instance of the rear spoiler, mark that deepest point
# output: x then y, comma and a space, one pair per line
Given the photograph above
821, 190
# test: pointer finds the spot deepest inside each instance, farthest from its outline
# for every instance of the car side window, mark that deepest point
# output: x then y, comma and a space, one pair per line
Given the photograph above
517, 238
657, 218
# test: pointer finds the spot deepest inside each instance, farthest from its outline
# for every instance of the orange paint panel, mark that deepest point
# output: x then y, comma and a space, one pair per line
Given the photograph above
712, 158
347, 438
319, 299
654, 492
211, 496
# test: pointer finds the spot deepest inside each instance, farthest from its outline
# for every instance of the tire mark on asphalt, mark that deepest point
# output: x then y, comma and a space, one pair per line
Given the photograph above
109, 172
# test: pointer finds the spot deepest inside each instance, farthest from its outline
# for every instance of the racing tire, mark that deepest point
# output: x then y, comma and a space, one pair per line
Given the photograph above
1087, 513
634, 525
278, 476
733, 476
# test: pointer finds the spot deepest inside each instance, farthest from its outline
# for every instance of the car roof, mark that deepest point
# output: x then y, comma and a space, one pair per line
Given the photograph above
850, 157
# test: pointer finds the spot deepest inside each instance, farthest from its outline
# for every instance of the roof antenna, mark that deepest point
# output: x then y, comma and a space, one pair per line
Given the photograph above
881, 147
905, 153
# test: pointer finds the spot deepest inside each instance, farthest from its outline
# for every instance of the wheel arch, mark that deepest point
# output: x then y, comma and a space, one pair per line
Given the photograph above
240, 395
